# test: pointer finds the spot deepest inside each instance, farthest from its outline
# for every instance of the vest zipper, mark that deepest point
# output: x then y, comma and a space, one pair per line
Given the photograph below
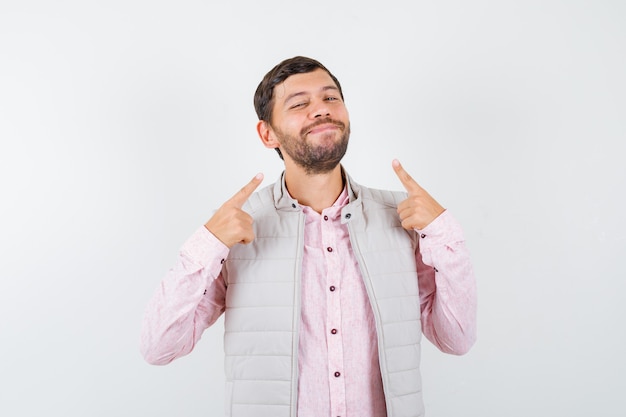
296, 316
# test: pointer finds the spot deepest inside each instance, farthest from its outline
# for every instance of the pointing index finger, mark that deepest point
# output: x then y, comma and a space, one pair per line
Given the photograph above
246, 191
407, 181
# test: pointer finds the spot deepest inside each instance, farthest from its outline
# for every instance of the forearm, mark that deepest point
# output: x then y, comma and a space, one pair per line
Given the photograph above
447, 287
188, 300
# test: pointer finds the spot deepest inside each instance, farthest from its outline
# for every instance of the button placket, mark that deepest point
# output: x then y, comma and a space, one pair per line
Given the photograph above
333, 313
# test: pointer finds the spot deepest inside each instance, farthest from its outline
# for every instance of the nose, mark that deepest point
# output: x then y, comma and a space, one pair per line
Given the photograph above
319, 109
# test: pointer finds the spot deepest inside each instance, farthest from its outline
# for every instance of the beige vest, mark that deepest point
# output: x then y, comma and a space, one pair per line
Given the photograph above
263, 302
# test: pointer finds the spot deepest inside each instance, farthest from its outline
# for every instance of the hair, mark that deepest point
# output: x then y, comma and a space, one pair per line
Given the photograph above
264, 94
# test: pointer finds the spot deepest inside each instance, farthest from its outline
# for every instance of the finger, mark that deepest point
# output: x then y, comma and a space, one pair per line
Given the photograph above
407, 181
404, 212
406, 205
248, 238
242, 195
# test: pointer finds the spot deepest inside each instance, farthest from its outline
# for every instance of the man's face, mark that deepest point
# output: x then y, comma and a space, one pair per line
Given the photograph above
310, 121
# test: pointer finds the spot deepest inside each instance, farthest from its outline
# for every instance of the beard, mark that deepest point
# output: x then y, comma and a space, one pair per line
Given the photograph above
320, 157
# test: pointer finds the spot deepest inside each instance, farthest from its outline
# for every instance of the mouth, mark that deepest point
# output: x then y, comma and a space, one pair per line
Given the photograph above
323, 126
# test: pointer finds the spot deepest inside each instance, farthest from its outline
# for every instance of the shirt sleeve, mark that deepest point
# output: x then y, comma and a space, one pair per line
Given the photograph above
189, 299
447, 286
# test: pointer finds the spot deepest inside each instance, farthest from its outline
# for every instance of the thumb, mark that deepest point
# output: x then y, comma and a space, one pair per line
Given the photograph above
246, 191
407, 181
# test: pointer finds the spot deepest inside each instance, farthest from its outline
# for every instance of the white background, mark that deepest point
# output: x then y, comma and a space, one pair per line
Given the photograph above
123, 124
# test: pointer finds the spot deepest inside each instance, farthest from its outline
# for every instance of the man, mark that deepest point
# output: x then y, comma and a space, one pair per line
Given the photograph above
326, 285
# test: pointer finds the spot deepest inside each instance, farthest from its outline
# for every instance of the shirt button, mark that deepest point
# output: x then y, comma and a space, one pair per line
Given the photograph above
347, 216
329, 249
332, 288
423, 236
222, 261
293, 205
326, 218
334, 331
337, 374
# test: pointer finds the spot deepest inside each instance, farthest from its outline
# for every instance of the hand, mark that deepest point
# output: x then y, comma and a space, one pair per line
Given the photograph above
230, 224
419, 209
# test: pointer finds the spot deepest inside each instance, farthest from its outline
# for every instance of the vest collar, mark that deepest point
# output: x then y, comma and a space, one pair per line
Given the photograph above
284, 201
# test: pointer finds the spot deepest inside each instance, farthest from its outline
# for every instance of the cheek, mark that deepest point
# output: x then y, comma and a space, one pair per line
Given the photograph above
292, 124
342, 113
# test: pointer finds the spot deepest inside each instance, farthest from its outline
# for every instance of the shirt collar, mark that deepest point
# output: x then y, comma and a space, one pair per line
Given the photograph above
284, 201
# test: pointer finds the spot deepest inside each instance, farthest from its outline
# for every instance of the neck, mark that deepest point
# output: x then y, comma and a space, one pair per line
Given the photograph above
318, 191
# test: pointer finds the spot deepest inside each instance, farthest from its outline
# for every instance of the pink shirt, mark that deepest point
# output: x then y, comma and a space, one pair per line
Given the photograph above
339, 373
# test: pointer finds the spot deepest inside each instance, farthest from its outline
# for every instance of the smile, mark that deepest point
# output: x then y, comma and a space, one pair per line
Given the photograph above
323, 128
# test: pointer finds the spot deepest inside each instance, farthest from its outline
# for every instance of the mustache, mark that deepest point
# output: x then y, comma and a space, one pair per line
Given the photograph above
327, 120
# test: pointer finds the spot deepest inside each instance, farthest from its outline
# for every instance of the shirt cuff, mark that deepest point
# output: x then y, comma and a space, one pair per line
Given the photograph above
444, 230
205, 249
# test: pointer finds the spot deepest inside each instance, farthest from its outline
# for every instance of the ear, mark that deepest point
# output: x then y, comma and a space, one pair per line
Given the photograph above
267, 135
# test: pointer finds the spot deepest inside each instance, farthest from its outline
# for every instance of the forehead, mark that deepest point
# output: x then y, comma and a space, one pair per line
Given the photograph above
306, 83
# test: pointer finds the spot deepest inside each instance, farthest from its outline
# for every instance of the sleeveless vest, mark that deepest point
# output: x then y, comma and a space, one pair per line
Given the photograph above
263, 302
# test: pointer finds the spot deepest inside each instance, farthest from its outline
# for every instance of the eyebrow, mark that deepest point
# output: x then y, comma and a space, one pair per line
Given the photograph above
303, 93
